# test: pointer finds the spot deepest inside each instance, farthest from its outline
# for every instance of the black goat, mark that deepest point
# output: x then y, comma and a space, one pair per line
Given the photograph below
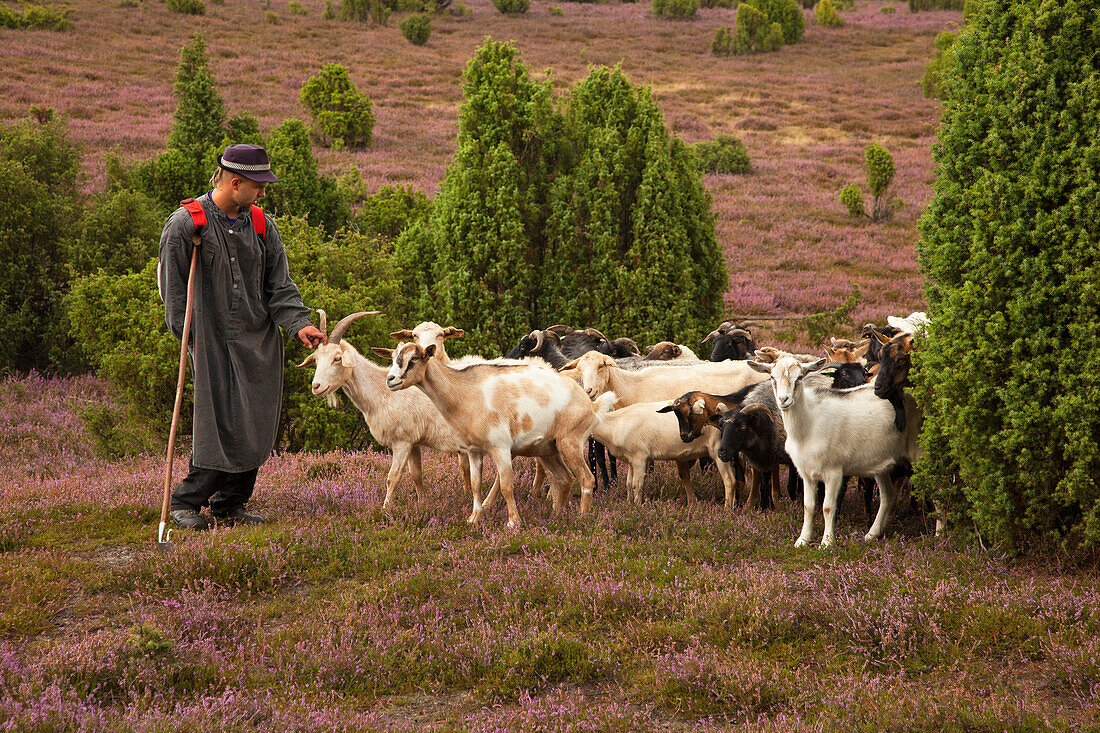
895, 360
871, 331
732, 341
576, 343
543, 344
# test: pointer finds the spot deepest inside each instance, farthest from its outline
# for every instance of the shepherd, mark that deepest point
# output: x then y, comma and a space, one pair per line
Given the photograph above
242, 294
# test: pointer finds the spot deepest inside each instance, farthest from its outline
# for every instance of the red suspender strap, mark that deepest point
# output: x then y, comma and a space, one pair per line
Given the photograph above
198, 214
259, 223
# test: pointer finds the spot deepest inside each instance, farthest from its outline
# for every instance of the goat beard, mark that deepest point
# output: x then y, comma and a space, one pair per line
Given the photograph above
333, 400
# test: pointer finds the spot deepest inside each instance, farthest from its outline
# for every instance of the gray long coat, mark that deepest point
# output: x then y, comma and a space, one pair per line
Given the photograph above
243, 293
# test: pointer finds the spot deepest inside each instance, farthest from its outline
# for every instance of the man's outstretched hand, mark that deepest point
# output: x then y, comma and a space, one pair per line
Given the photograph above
311, 336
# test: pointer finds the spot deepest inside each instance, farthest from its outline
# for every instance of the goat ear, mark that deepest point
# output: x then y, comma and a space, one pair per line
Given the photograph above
861, 351
450, 332
570, 365
831, 353
402, 335
386, 354
907, 342
873, 369
429, 351
667, 408
311, 359
698, 406
765, 368
813, 366
881, 338
715, 419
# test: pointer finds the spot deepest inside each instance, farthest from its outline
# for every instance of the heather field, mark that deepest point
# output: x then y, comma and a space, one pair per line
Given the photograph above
806, 113
659, 617
664, 616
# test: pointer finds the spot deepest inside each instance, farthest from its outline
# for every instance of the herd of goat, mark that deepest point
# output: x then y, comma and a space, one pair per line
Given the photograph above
748, 410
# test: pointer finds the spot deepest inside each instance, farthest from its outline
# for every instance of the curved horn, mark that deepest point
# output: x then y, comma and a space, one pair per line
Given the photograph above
324, 320
630, 343
562, 330
539, 337
339, 328
748, 324
593, 332
553, 336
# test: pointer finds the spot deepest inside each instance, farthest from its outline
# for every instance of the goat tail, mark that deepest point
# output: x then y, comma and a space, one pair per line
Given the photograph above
606, 402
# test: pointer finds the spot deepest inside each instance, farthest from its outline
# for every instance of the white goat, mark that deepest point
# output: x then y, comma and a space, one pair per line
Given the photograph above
505, 410
598, 373
645, 432
833, 433
404, 422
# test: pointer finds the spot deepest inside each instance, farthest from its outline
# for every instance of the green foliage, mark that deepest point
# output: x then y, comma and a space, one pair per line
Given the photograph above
295, 8
300, 190
417, 28
341, 114
186, 7
786, 13
329, 12
915, 6
754, 32
342, 274
45, 17
722, 43
118, 233
851, 197
553, 10
932, 81
879, 167
120, 432
512, 7
825, 14
271, 17
375, 12
388, 212
716, 3
539, 663
723, 154
39, 177
675, 9
1008, 376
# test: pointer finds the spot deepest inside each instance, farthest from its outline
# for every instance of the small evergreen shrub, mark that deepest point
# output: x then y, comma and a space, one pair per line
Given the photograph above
825, 13
722, 43
512, 7
754, 33
301, 190
341, 115
416, 28
675, 9
879, 166
295, 8
786, 13
723, 154
118, 233
932, 81
329, 12
375, 12
553, 10
36, 17
716, 3
271, 17
186, 7
888, 10
388, 212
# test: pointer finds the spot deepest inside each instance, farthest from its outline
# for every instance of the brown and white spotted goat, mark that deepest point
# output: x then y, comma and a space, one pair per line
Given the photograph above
505, 410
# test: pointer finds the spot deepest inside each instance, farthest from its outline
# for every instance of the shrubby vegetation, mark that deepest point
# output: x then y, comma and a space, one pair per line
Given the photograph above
675, 9
916, 6
48, 17
932, 81
755, 32
341, 114
300, 188
879, 166
723, 154
512, 7
1009, 375
186, 7
375, 12
417, 28
786, 13
826, 14
548, 216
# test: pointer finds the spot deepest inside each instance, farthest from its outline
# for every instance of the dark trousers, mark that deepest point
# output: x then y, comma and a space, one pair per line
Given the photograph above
222, 492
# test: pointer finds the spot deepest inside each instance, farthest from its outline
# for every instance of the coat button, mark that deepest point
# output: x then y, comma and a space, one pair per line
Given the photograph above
230, 231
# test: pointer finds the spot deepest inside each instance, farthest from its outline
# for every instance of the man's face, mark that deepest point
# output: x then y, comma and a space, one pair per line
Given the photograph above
246, 192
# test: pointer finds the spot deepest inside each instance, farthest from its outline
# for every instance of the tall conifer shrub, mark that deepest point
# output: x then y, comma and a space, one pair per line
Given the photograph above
1010, 373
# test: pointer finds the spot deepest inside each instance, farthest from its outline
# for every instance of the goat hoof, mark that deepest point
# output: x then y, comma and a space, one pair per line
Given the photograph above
514, 524
801, 542
473, 518
870, 537
826, 543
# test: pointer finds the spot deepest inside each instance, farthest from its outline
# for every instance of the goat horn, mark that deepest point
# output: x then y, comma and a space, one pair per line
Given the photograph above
562, 330
539, 337
629, 342
593, 332
339, 328
748, 324
324, 320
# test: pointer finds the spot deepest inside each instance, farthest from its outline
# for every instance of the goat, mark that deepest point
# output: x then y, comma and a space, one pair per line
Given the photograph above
871, 332
732, 341
668, 351
599, 373
831, 433
403, 422
430, 332
637, 435
576, 343
846, 365
895, 360
541, 344
755, 432
504, 410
